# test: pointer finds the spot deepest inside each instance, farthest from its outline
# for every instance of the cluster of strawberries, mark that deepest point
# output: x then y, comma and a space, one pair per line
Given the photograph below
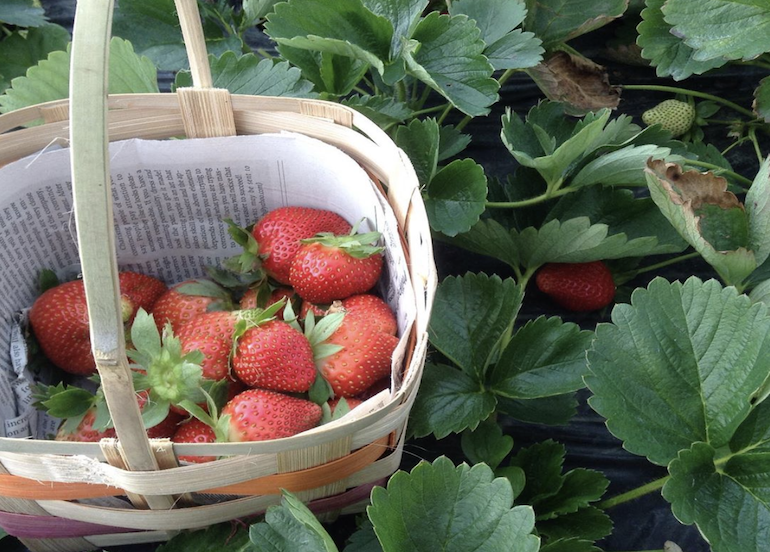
287, 336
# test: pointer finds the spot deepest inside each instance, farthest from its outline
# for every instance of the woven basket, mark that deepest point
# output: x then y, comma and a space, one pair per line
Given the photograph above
68, 496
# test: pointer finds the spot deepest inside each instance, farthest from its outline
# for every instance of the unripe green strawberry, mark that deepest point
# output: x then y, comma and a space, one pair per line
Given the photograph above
675, 116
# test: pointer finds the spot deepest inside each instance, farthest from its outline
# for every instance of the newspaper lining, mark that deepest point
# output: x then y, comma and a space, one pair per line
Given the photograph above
170, 199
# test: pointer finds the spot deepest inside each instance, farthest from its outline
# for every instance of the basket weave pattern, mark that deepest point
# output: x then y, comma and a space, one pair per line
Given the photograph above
68, 496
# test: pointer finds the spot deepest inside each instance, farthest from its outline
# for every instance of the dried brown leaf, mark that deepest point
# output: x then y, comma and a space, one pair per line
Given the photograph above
693, 189
577, 82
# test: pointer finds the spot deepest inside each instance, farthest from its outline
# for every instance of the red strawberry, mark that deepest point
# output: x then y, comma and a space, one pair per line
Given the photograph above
578, 287
85, 432
249, 299
280, 231
274, 355
365, 357
59, 318
195, 431
372, 309
188, 299
212, 334
259, 415
329, 267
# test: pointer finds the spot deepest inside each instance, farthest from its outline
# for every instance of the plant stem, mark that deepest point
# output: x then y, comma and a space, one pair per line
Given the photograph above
650, 487
531, 201
694, 93
722, 170
752, 132
428, 110
446, 112
666, 263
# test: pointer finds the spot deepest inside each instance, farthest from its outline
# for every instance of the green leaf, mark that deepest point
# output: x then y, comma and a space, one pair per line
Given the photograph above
758, 212
515, 476
247, 74
154, 412
449, 60
718, 28
258, 9
507, 47
542, 464
489, 237
420, 141
580, 487
332, 73
762, 99
19, 51
152, 26
345, 28
471, 314
442, 507
456, 197
555, 21
667, 52
403, 15
623, 213
546, 357
552, 411
69, 402
587, 523
221, 536
569, 545
47, 279
619, 168
761, 293
451, 142
290, 527
700, 207
554, 166
730, 504
678, 365
383, 110
449, 401
516, 50
22, 13
486, 444
364, 539
495, 18
49, 79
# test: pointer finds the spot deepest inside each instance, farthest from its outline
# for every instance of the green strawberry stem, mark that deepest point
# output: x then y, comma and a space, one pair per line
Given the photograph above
693, 93
548, 194
633, 494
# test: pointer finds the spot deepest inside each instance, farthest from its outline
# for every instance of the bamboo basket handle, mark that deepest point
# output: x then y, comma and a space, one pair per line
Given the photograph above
92, 200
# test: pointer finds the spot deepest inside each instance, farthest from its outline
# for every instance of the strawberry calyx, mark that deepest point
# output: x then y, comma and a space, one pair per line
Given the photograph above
249, 261
358, 246
208, 288
71, 403
169, 375
215, 398
317, 333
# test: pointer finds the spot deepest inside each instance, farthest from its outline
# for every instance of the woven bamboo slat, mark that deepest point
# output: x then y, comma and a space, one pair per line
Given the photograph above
66, 496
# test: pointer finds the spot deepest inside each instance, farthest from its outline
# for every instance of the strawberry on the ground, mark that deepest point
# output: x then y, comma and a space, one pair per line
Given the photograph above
272, 354
279, 233
673, 115
180, 303
328, 267
260, 415
59, 319
364, 357
195, 431
579, 287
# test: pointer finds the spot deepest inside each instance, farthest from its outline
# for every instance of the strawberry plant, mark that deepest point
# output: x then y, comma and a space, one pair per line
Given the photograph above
537, 165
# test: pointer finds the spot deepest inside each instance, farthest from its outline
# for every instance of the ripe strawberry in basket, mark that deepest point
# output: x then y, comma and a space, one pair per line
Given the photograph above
280, 231
59, 318
260, 415
328, 267
86, 417
365, 306
188, 299
364, 357
272, 354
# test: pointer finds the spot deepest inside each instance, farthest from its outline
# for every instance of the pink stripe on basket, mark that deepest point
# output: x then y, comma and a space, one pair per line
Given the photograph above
51, 527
